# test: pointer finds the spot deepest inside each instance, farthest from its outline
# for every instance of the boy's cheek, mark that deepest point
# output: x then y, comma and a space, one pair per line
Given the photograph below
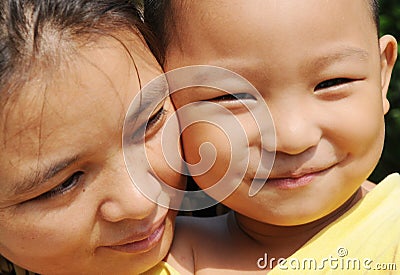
217, 155
204, 141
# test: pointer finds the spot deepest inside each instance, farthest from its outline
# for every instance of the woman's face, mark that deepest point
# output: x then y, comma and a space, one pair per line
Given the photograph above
67, 203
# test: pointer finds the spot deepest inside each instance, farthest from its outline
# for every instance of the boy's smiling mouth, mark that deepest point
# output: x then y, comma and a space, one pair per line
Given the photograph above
294, 179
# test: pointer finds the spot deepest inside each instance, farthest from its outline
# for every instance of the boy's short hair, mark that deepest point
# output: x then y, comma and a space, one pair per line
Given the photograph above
159, 15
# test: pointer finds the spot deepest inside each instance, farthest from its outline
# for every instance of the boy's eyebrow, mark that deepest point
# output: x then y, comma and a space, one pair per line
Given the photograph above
341, 53
35, 179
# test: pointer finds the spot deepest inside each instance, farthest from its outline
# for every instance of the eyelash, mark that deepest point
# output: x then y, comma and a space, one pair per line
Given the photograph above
332, 82
147, 126
232, 97
64, 187
155, 118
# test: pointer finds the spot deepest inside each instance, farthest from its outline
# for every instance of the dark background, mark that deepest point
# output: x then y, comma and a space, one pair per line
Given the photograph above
390, 161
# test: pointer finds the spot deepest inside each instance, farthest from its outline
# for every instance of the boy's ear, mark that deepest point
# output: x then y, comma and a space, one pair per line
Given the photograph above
388, 50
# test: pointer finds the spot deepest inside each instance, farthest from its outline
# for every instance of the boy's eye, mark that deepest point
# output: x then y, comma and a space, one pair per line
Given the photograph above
331, 83
67, 185
232, 97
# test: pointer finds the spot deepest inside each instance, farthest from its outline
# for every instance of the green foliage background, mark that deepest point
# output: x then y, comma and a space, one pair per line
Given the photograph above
390, 161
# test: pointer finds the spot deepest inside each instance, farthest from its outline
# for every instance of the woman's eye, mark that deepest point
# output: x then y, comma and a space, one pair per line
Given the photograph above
148, 127
332, 83
67, 185
155, 118
232, 97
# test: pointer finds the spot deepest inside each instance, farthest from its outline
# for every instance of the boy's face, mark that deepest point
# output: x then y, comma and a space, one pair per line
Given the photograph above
67, 203
318, 66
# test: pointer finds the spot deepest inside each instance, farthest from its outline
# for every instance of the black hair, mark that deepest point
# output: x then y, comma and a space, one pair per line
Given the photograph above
374, 4
37, 31
159, 15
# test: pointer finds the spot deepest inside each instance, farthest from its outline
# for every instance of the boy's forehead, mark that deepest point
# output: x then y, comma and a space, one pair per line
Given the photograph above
207, 9
216, 21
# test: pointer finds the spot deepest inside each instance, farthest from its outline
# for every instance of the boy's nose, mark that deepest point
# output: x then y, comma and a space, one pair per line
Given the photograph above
123, 200
296, 129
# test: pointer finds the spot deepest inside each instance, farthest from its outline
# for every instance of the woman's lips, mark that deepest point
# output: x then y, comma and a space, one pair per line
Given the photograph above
142, 245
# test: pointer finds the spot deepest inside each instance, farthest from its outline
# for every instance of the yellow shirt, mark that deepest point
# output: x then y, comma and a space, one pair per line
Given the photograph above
366, 240
162, 268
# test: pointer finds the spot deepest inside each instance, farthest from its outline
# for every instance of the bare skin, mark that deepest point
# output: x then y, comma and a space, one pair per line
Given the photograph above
323, 54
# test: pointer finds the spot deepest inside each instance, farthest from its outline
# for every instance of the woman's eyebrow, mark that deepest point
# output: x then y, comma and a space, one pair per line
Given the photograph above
38, 177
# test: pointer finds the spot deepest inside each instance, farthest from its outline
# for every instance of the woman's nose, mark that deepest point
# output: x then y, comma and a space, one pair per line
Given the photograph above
123, 199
